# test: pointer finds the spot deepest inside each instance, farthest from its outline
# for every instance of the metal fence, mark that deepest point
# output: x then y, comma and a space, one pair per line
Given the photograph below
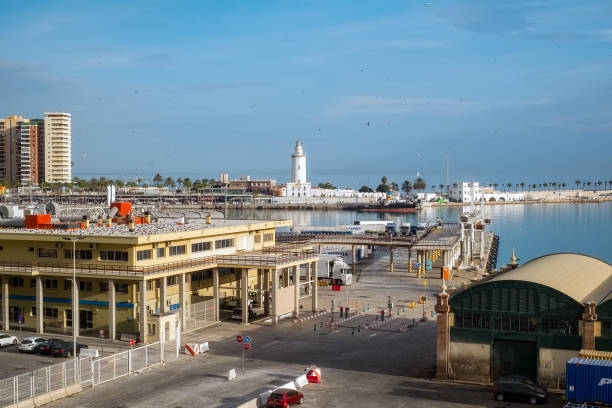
200, 314
85, 371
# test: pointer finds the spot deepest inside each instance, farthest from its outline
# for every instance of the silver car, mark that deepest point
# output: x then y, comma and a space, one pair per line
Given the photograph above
7, 340
30, 344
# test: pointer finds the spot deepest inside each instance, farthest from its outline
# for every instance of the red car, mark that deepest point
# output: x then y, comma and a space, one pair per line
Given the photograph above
284, 397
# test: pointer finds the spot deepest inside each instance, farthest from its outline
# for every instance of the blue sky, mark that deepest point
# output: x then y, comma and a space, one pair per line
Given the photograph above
514, 91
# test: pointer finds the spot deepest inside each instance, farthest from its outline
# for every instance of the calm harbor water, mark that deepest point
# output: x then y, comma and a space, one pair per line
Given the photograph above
532, 229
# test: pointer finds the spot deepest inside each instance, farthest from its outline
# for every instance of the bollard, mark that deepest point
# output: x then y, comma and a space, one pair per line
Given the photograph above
368, 306
346, 312
382, 315
321, 324
363, 308
315, 327
353, 332
358, 328
403, 308
398, 311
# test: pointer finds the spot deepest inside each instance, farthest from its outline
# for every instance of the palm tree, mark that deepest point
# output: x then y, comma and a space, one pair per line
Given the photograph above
158, 179
187, 183
509, 185
545, 185
419, 184
577, 184
441, 187
169, 181
563, 185
179, 181
384, 180
139, 181
407, 187
522, 186
394, 186
495, 185
553, 184
589, 184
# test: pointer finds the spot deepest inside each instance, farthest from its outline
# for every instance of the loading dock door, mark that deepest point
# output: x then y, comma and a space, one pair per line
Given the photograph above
514, 357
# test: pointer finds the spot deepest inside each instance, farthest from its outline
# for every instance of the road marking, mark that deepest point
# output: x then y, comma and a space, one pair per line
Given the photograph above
373, 334
270, 343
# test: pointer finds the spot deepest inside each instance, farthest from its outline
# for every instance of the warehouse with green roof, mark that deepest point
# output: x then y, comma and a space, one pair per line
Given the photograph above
529, 320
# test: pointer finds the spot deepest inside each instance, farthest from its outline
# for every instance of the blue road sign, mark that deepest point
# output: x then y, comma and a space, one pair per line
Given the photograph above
20, 318
247, 339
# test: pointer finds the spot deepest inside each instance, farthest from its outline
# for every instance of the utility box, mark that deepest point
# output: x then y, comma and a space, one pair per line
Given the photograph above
123, 208
35, 221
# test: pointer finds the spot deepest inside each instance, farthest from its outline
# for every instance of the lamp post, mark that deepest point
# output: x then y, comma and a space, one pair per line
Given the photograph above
74, 297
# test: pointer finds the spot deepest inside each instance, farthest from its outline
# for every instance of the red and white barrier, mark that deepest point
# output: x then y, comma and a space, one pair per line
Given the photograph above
313, 375
192, 349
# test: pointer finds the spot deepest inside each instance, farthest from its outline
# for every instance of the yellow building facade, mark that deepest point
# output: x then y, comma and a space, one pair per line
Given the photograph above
129, 276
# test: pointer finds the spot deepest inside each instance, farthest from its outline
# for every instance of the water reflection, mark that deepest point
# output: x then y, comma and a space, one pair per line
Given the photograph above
533, 229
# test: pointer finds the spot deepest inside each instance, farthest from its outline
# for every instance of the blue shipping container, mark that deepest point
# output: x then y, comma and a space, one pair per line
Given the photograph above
588, 380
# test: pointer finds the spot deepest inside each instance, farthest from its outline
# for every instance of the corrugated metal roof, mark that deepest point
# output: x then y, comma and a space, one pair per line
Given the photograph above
581, 277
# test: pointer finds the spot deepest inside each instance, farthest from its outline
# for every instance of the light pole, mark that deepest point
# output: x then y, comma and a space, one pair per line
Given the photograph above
74, 297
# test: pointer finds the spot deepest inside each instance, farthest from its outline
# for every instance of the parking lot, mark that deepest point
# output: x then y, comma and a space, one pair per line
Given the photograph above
13, 362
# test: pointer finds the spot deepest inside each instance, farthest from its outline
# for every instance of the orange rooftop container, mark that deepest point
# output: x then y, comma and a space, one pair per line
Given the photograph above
35, 221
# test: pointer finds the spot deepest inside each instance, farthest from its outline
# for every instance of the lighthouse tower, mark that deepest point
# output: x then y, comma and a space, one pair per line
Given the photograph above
298, 164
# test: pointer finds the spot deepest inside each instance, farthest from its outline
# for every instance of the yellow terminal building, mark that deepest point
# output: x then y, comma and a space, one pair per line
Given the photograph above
138, 277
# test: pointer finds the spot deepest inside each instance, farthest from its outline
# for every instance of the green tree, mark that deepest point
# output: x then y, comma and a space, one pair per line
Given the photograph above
577, 184
169, 181
382, 188
419, 184
187, 183
394, 187
407, 186
441, 187
384, 180
158, 179
522, 186
365, 189
327, 185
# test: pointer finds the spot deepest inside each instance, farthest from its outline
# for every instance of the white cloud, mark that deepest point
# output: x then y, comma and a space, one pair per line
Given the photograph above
384, 105
606, 35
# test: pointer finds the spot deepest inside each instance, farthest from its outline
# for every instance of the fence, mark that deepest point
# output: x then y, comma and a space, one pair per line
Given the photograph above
84, 371
200, 314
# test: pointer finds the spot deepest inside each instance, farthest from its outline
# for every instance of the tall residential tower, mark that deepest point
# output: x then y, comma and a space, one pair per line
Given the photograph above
57, 148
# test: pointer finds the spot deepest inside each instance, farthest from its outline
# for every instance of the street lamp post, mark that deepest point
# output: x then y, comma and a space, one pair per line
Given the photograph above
74, 296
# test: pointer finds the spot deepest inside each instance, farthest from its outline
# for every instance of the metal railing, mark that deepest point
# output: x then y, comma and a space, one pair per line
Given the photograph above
84, 371
254, 258
200, 314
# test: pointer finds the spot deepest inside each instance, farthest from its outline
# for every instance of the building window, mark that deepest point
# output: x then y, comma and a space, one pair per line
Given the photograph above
80, 254
150, 285
144, 254
67, 284
119, 287
177, 250
172, 280
258, 238
269, 236
85, 286
200, 275
103, 286
32, 283
50, 283
114, 256
33, 311
47, 253
224, 243
161, 252
200, 247
17, 282
50, 313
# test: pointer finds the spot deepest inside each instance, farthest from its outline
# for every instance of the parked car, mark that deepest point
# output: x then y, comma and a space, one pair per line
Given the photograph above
46, 346
30, 344
64, 349
231, 302
284, 397
237, 313
517, 387
7, 340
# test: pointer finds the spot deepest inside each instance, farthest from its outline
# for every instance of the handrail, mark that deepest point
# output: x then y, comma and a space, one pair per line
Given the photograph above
275, 258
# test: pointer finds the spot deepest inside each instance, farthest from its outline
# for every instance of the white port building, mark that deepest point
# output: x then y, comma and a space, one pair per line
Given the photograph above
467, 191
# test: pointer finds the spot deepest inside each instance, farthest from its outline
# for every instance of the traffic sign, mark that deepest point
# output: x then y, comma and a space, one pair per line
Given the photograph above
247, 346
131, 342
247, 339
425, 283
239, 339
418, 265
101, 333
20, 318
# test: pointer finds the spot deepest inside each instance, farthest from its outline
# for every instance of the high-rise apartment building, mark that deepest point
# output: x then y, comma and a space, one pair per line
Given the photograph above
34, 151
57, 148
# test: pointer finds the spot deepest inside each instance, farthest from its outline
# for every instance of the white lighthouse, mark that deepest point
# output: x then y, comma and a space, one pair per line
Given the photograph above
298, 186
298, 164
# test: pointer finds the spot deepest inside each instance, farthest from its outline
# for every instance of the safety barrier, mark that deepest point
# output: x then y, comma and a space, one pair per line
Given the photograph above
59, 380
322, 282
200, 314
315, 315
